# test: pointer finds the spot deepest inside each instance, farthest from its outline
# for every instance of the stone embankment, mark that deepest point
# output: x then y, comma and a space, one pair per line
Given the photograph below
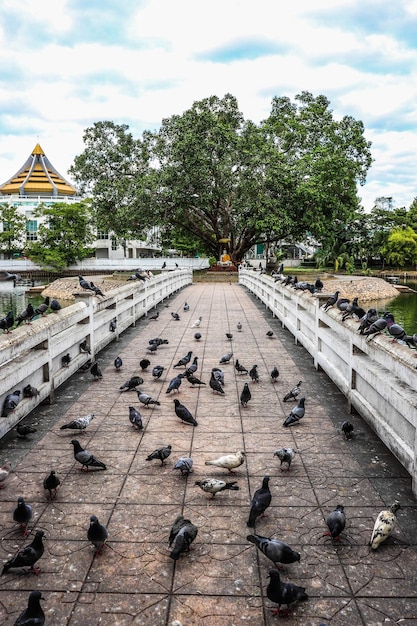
365, 288
64, 288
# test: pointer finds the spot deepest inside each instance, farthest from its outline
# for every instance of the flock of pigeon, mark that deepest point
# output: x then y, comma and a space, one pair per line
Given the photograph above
183, 532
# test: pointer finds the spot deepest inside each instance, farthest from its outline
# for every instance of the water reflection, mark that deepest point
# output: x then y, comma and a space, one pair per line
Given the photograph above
403, 307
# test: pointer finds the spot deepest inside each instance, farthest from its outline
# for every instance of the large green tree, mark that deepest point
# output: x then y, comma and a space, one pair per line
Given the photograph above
400, 248
211, 175
13, 232
64, 235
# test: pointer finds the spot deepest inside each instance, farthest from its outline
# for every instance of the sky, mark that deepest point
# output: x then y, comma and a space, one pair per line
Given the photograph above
66, 64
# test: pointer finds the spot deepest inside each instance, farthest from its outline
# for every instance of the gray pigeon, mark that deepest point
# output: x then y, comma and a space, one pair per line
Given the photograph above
336, 522
184, 361
182, 534
331, 301
160, 453
184, 414
285, 455
296, 414
175, 383
26, 315
23, 514
253, 373
241, 369
97, 534
157, 371
118, 363
191, 369
146, 399
283, 593
30, 392
10, 402
80, 423
218, 375
274, 374
135, 418
215, 385
226, 357
245, 396
33, 615
184, 464
275, 550
132, 383
294, 392
28, 556
85, 458
260, 502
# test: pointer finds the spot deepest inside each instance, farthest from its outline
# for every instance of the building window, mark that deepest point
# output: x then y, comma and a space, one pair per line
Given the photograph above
32, 230
114, 243
102, 235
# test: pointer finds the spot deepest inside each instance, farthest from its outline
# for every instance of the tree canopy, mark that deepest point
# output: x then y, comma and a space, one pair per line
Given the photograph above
211, 175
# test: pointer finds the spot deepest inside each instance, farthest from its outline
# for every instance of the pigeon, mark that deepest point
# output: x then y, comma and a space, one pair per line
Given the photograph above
154, 317
347, 429
184, 464
80, 423
84, 284
55, 306
384, 525
42, 308
336, 522
163, 265
158, 341
331, 301
160, 453
318, 284
213, 485
97, 290
175, 383
229, 336
295, 391
245, 396
197, 336
275, 550
296, 414
193, 380
375, 328
239, 327
283, 593
51, 484
197, 322
260, 502
4, 473
285, 455
353, 309
84, 347
253, 373
191, 369
97, 534
10, 402
226, 357
95, 371
28, 556
144, 364
30, 392
22, 514
85, 458
369, 318
229, 461
146, 399
113, 325
182, 534
184, 414
33, 615
132, 383
218, 375
135, 418
25, 315
157, 371
118, 363
66, 360
241, 369
395, 330
23, 430
186, 306
175, 316
274, 374
411, 340
184, 361
7, 322
342, 304
215, 385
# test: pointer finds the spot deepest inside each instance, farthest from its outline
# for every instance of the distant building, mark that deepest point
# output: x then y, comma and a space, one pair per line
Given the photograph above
38, 182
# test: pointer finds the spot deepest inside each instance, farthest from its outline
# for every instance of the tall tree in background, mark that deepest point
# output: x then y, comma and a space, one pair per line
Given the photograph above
13, 232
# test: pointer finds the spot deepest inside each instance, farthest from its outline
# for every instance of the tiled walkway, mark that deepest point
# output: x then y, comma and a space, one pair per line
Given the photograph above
222, 581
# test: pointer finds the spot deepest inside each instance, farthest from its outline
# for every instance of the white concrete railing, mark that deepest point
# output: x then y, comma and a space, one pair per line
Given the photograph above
15, 266
32, 354
378, 378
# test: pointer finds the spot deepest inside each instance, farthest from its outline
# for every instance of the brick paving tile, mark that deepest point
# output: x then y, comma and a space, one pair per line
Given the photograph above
222, 581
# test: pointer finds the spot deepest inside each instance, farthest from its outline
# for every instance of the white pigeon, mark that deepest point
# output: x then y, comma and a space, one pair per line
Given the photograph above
80, 423
285, 455
229, 461
384, 525
213, 486
197, 323
4, 472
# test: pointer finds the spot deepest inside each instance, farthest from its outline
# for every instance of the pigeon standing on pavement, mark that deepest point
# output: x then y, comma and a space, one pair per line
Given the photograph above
253, 373
216, 385
4, 473
160, 453
135, 418
118, 363
283, 594
184, 361
97, 534
23, 430
131, 384
157, 371
295, 391
182, 534
33, 615
175, 316
175, 383
193, 380
192, 368
184, 414
113, 325
384, 525
28, 556
184, 464
146, 399
186, 306
144, 364
96, 371
245, 396
239, 327
336, 522
229, 461
275, 550
197, 322
85, 458
213, 485
285, 455
274, 374
241, 369
296, 414
347, 429
260, 502
23, 514
226, 357
80, 423
51, 484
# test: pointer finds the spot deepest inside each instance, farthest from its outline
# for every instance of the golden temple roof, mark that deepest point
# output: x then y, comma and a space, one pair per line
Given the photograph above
38, 177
